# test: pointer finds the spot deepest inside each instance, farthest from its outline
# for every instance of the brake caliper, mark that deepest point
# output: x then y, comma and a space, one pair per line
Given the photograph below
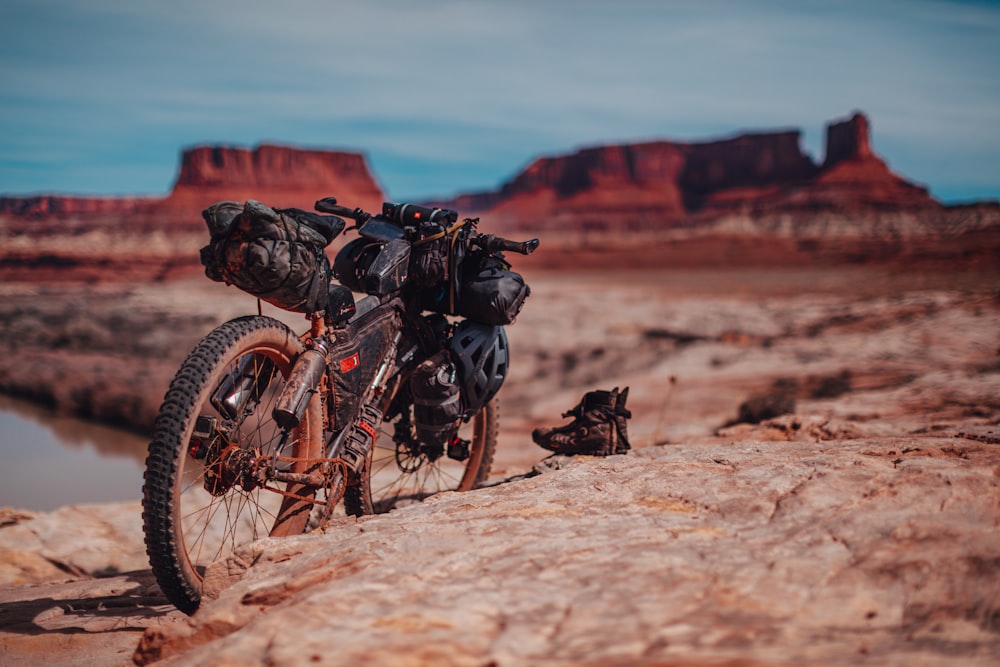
203, 437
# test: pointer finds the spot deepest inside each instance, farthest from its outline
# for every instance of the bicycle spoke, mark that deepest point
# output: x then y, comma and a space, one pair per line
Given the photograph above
211, 509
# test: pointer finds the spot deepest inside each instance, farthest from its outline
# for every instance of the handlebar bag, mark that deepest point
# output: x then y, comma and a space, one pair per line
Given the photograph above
490, 292
435, 262
276, 255
373, 267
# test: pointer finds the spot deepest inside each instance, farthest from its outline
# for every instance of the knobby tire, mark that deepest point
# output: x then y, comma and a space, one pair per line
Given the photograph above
177, 565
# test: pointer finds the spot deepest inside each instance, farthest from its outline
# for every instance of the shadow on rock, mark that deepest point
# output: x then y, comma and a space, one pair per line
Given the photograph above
130, 602
776, 401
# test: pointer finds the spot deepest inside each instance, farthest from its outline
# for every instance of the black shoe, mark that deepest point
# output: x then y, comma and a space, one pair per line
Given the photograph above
598, 427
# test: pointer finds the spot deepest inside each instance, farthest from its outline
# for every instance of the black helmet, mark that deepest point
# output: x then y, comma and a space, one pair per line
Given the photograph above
480, 355
351, 264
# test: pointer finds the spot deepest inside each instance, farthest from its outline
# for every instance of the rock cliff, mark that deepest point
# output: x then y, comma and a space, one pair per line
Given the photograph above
656, 183
753, 198
854, 177
51, 237
662, 183
279, 175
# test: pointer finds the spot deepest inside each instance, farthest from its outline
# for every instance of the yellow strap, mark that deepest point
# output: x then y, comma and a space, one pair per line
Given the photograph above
440, 235
453, 230
451, 274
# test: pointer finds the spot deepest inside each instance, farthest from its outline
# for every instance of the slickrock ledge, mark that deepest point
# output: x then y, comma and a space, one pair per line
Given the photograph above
75, 586
863, 527
803, 551
73, 541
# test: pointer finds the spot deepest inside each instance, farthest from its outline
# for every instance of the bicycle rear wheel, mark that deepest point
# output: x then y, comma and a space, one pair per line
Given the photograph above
399, 472
209, 481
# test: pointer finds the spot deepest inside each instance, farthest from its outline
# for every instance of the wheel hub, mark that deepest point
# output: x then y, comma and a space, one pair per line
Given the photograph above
233, 466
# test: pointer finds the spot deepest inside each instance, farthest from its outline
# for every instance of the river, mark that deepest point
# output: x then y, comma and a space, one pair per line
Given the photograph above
51, 460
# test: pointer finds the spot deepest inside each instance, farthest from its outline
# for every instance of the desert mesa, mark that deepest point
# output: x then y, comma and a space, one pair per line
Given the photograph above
750, 199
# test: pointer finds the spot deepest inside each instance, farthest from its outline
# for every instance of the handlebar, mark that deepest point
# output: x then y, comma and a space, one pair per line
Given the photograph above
403, 213
491, 243
330, 205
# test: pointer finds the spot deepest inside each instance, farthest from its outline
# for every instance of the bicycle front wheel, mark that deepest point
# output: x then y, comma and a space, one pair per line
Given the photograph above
210, 473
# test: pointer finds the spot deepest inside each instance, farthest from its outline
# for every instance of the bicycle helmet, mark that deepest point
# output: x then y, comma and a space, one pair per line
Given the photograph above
480, 354
351, 264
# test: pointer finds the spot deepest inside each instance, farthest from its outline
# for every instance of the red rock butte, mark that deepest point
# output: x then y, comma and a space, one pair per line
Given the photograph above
278, 175
647, 184
750, 198
281, 176
664, 183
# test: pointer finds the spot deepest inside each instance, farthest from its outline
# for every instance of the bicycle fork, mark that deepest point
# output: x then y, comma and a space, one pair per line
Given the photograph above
303, 383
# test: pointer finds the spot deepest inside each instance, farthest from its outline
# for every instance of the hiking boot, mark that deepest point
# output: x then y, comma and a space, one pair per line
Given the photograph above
598, 427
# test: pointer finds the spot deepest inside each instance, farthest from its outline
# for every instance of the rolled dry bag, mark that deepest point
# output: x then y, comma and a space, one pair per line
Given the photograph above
491, 293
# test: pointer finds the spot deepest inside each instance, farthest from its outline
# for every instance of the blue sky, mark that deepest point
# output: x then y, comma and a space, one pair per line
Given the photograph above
100, 96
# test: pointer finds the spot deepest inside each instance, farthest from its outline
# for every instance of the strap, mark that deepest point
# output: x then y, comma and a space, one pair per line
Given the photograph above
453, 232
622, 432
440, 235
451, 264
621, 414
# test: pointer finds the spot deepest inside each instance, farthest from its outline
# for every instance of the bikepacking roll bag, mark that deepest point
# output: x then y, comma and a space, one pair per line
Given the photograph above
490, 292
276, 255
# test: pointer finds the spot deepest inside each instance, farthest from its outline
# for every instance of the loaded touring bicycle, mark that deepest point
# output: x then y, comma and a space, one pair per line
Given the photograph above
389, 397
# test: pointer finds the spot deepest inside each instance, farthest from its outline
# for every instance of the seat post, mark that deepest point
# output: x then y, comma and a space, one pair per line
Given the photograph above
317, 328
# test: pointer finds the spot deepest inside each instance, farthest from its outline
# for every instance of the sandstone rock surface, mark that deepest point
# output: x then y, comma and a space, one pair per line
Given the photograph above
772, 552
75, 586
861, 527
88, 540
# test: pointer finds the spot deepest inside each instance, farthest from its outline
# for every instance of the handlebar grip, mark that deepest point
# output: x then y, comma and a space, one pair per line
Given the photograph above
491, 243
522, 247
329, 205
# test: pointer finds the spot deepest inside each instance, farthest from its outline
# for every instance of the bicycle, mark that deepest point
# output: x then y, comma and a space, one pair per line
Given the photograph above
266, 432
